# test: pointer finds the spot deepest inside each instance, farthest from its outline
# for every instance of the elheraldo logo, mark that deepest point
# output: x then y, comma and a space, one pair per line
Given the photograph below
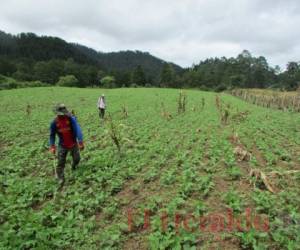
209, 223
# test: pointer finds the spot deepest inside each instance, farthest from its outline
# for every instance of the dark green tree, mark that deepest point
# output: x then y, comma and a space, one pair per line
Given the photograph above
7, 67
68, 81
167, 76
138, 76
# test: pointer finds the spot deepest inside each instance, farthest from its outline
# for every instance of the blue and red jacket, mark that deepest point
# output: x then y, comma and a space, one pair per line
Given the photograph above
68, 131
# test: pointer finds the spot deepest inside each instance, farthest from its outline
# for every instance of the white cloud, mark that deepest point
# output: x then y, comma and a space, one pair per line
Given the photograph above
182, 31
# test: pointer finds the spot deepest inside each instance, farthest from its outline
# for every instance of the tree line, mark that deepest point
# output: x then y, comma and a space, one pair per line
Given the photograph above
28, 57
244, 71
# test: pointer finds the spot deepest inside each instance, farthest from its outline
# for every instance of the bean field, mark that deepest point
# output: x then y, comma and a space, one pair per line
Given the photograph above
155, 174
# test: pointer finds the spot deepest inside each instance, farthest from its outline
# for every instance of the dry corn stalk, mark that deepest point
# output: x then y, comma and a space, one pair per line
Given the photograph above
242, 154
224, 116
235, 137
286, 101
181, 104
203, 102
114, 133
274, 173
124, 111
218, 103
259, 175
28, 109
165, 113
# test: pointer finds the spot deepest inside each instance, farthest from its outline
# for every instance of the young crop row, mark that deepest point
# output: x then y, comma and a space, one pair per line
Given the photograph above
178, 158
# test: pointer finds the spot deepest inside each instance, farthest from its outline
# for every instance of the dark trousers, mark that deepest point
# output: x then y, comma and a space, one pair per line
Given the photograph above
101, 113
62, 155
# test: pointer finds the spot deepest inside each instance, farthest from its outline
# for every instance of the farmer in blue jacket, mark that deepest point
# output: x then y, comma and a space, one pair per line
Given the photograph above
70, 139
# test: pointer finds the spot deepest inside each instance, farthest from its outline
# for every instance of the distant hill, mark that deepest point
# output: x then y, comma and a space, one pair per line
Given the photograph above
127, 60
43, 48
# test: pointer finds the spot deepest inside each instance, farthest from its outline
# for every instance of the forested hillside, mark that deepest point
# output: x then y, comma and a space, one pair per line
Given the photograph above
126, 61
28, 57
244, 71
50, 60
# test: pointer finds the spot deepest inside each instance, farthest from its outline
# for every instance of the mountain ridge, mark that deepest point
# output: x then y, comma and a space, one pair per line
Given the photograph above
44, 48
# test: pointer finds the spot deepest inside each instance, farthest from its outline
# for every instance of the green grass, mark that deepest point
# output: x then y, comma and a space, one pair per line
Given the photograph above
183, 163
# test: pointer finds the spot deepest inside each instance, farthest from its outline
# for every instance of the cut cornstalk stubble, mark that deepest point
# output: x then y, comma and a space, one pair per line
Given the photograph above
114, 134
259, 175
242, 154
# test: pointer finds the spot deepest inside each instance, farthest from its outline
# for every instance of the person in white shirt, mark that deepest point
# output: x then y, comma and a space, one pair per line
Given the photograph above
101, 106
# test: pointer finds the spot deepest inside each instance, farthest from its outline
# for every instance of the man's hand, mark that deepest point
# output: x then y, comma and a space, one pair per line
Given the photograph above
81, 145
52, 149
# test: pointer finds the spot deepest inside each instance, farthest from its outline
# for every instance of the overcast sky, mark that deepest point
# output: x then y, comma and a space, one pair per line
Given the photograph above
181, 31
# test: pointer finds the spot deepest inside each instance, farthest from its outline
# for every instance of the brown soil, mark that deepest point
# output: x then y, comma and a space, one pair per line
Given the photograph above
258, 156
